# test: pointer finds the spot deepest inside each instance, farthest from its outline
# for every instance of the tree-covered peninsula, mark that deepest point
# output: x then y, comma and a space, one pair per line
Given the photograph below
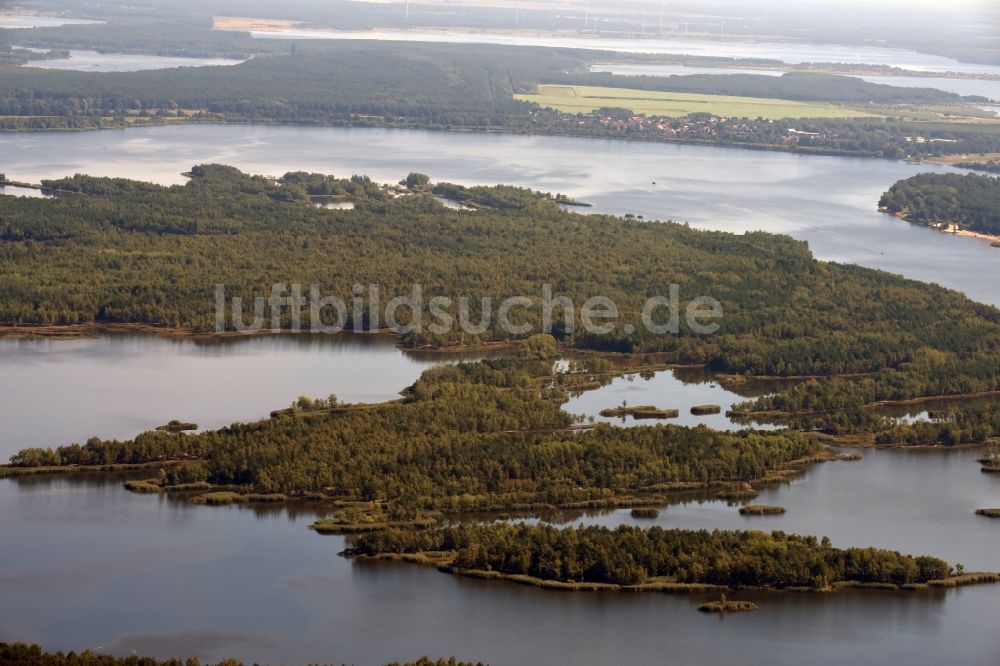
860, 337
948, 201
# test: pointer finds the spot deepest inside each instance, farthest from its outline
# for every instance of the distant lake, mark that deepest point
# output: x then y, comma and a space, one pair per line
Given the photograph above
830, 202
120, 385
679, 389
17, 21
92, 61
989, 89
15, 191
790, 52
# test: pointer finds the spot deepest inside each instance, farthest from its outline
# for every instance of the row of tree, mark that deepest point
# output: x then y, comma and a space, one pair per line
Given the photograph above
22, 654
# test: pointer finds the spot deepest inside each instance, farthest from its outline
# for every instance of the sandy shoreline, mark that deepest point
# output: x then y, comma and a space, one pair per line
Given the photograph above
951, 229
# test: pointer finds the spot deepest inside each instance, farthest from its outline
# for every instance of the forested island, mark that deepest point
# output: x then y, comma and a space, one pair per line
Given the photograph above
634, 559
948, 201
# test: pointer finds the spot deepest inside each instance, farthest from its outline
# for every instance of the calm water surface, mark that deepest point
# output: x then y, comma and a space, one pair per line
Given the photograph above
15, 191
669, 389
88, 564
918, 502
16, 21
828, 201
61, 391
92, 61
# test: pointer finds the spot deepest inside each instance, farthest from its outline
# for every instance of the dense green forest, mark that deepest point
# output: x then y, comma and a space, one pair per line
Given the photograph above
22, 654
430, 85
479, 436
969, 201
633, 556
155, 254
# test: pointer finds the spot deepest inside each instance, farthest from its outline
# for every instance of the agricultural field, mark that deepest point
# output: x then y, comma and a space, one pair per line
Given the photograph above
584, 99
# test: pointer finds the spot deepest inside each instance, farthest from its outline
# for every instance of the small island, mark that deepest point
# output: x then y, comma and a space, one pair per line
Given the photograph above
177, 426
761, 510
635, 559
989, 513
356, 518
724, 605
641, 412
645, 512
705, 410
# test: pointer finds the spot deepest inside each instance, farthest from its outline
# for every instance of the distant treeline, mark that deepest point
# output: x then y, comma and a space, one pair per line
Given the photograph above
14, 56
969, 201
22, 654
991, 166
437, 86
426, 84
162, 39
633, 556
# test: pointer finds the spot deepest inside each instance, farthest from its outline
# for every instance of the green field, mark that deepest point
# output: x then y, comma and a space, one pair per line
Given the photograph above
583, 99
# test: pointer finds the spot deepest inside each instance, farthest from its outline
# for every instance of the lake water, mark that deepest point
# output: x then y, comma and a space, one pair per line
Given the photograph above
632, 69
92, 61
18, 21
87, 564
790, 52
916, 501
120, 385
831, 202
989, 89
15, 191
668, 389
